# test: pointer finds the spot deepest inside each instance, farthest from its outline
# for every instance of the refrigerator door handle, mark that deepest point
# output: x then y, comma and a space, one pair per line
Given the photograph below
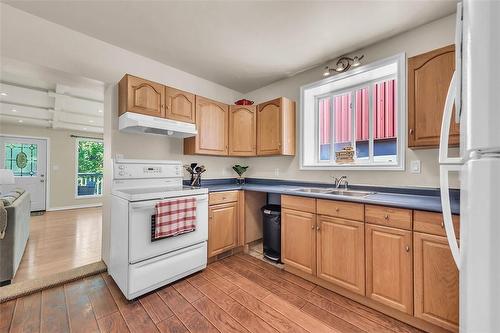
446, 208
445, 124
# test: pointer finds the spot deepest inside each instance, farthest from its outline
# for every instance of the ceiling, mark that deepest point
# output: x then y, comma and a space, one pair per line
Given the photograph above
242, 45
38, 96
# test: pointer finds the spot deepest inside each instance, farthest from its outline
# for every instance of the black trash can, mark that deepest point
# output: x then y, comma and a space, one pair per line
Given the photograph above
271, 229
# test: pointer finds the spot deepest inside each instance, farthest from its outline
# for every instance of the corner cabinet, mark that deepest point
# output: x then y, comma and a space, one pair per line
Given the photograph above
180, 105
276, 127
429, 76
435, 273
141, 96
212, 124
242, 130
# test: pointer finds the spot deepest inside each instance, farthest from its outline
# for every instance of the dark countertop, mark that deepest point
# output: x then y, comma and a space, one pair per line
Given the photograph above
403, 197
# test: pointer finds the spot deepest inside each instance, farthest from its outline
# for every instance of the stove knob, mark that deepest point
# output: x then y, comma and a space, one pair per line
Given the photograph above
121, 173
121, 167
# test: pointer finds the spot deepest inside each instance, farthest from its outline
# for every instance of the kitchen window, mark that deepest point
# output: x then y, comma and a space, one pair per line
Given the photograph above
355, 120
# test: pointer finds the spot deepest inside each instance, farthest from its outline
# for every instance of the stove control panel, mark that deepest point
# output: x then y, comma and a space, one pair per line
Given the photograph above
137, 169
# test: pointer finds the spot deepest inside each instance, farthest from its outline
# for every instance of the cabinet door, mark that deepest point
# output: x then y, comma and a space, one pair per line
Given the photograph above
179, 105
211, 123
389, 278
436, 281
222, 228
242, 130
298, 240
141, 96
269, 128
429, 77
341, 253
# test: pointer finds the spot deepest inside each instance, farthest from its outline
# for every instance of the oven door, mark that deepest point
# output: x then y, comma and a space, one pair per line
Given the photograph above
141, 247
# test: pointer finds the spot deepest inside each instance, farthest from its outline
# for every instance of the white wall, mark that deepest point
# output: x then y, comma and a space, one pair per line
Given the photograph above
425, 38
62, 163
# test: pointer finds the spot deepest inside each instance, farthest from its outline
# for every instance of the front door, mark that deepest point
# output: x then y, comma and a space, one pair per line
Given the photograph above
27, 158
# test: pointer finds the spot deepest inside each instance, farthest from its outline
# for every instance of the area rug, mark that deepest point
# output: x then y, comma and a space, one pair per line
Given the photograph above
27, 287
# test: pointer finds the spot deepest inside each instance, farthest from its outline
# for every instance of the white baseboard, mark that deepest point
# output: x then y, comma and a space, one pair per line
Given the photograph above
51, 209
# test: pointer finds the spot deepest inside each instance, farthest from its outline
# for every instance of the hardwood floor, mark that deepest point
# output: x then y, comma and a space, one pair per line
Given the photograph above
60, 241
237, 294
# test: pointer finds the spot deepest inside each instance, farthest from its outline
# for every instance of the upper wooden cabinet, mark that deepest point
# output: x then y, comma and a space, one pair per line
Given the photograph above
179, 105
212, 125
141, 96
298, 240
389, 277
242, 130
276, 127
429, 77
436, 281
341, 252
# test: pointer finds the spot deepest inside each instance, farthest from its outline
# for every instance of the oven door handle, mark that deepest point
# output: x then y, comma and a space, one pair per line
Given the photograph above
151, 205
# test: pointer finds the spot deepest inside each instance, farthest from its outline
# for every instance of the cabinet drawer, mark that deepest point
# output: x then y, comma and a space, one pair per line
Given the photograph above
222, 197
388, 216
432, 223
342, 209
299, 203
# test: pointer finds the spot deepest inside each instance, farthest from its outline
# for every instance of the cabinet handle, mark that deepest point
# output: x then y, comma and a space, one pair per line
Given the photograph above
411, 131
407, 248
386, 217
317, 228
312, 227
337, 209
442, 225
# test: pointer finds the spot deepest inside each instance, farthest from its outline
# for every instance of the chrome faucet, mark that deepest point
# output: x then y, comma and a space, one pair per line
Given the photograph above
338, 182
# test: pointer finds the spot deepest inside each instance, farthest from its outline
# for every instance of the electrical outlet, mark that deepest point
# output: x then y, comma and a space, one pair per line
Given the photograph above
277, 172
415, 166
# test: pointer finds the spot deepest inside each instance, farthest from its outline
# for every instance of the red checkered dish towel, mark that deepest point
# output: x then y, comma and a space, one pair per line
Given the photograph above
175, 217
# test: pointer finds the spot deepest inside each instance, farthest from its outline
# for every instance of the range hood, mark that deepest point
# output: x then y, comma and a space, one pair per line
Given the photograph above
139, 123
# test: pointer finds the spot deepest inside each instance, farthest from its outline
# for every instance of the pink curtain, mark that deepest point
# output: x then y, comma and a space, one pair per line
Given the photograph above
384, 110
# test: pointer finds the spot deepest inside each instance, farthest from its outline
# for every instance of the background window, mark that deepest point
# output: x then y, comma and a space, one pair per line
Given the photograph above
90, 156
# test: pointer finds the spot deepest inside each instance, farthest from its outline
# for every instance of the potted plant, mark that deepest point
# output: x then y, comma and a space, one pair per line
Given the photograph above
240, 170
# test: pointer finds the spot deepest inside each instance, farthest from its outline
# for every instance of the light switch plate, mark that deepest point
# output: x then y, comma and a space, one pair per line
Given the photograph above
415, 166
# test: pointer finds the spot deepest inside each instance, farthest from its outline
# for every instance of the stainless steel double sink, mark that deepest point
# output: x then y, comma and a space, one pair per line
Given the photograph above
334, 191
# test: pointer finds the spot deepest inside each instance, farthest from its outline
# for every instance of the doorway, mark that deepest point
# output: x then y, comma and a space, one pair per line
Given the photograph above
27, 158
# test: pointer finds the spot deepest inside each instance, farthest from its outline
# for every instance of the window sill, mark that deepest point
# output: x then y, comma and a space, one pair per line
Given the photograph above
88, 196
370, 167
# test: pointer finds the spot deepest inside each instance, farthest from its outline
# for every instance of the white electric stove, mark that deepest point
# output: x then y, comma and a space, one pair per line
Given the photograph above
137, 263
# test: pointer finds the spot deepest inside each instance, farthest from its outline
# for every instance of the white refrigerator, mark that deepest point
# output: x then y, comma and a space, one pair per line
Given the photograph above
475, 93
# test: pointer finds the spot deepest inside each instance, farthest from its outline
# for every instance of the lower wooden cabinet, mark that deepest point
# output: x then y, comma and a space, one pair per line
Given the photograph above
222, 228
341, 253
389, 262
436, 281
298, 240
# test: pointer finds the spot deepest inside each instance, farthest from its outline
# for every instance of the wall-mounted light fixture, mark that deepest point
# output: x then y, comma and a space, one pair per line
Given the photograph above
343, 64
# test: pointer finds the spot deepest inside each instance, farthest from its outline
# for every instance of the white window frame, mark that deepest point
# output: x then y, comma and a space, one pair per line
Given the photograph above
77, 144
311, 93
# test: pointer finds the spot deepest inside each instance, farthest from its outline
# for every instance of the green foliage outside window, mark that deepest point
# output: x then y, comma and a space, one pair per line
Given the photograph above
90, 156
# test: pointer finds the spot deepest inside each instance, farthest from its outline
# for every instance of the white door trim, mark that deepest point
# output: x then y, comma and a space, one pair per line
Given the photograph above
47, 162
